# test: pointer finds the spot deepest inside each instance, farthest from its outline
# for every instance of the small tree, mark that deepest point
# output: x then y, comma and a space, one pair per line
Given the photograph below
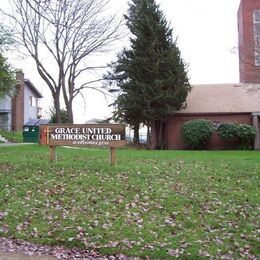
63, 114
7, 79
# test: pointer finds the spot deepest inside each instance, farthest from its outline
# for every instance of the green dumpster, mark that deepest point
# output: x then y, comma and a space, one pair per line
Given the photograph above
31, 130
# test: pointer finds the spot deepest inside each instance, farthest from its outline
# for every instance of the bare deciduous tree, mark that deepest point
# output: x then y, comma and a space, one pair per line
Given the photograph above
61, 36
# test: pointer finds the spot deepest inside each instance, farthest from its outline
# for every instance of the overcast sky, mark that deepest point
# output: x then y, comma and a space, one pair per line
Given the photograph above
207, 37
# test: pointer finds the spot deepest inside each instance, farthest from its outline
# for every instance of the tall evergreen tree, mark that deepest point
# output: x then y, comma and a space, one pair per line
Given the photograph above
150, 74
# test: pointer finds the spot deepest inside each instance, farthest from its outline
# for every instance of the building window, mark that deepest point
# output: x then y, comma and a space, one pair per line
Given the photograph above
256, 20
33, 101
30, 101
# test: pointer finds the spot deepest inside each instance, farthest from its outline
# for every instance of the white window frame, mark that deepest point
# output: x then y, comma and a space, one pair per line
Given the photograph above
256, 25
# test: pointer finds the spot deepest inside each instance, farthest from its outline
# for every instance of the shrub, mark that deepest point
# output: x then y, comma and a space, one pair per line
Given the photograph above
63, 115
196, 133
228, 131
246, 135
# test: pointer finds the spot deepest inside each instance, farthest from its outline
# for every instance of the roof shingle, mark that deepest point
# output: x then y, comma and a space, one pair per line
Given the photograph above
223, 98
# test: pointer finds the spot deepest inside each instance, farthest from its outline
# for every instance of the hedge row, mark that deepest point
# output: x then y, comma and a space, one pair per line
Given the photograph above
196, 133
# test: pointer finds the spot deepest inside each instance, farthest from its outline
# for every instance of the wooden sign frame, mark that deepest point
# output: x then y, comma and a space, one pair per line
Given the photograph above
82, 135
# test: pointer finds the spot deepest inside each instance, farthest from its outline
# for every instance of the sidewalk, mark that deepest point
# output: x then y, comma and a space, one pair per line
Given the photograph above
14, 144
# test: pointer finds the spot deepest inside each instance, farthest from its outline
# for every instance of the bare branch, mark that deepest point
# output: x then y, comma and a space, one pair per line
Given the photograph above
60, 36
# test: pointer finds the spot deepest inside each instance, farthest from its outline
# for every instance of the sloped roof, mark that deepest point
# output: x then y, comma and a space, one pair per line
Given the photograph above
36, 122
223, 98
33, 88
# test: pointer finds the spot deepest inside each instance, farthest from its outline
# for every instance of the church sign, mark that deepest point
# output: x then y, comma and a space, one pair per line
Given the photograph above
111, 135
100, 135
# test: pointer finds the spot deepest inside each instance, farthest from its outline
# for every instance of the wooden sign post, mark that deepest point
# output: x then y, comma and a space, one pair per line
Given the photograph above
99, 135
53, 153
112, 156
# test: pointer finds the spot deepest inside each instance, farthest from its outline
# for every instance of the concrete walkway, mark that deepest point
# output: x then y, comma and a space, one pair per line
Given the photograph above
14, 144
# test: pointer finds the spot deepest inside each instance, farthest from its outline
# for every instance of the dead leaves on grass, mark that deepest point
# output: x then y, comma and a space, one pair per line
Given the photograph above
159, 207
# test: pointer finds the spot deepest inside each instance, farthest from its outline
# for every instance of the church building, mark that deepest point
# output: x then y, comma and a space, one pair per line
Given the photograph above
219, 103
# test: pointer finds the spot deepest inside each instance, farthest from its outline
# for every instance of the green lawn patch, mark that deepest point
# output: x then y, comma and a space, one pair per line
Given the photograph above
15, 137
159, 204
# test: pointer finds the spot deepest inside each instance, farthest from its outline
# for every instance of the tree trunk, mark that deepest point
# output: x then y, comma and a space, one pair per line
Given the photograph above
136, 134
70, 113
159, 135
57, 107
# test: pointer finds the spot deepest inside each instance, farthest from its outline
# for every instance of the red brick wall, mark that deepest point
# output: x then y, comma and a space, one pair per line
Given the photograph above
174, 124
249, 73
18, 104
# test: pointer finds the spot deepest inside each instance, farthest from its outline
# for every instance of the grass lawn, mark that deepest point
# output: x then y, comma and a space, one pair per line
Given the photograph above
159, 204
15, 137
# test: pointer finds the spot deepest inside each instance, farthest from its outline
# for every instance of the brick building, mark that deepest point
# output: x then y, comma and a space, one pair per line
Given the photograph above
249, 41
16, 110
218, 103
238, 103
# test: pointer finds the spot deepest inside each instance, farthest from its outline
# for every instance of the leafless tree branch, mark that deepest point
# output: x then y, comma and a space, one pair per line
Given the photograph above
61, 36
